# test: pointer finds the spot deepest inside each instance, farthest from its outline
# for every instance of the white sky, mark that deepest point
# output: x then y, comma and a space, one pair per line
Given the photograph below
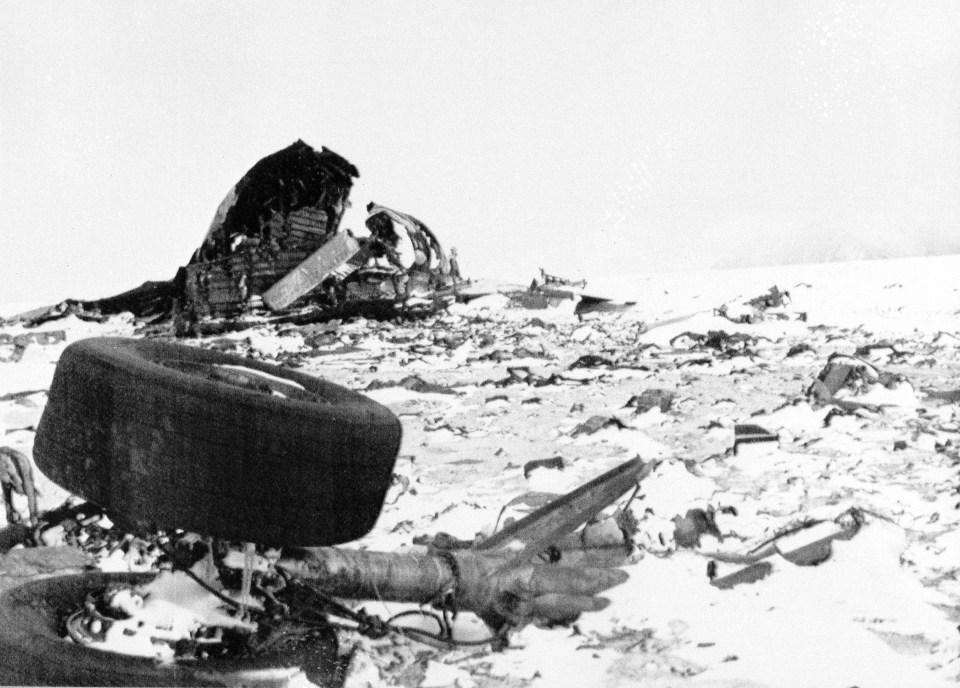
580, 137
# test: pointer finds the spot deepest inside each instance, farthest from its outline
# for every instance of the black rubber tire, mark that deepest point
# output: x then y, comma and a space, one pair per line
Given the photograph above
33, 652
160, 448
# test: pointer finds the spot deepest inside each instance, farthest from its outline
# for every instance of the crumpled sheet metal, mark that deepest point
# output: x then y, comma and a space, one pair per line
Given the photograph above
847, 373
812, 553
431, 268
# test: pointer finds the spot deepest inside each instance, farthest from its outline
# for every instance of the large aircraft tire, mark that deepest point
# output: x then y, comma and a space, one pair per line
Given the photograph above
166, 436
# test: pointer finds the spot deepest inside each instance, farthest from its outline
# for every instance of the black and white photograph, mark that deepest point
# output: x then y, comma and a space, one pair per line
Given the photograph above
480, 344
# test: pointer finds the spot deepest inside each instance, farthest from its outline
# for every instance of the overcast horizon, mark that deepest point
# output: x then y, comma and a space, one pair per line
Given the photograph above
607, 138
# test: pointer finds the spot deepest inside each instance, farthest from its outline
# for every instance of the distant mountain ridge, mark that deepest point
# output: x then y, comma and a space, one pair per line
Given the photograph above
823, 246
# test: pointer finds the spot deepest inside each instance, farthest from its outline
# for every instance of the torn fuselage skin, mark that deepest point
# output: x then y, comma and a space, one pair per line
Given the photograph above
402, 261
274, 223
286, 208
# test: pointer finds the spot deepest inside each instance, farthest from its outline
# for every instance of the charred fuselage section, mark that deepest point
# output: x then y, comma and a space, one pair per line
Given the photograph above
276, 250
285, 208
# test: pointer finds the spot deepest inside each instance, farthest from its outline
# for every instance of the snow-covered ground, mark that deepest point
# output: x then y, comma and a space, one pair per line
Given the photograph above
881, 611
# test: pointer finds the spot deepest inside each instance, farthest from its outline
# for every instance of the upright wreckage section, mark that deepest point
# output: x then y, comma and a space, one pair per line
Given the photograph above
284, 209
276, 243
276, 250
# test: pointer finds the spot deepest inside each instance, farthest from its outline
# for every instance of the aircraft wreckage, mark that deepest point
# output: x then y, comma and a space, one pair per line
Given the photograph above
276, 244
276, 251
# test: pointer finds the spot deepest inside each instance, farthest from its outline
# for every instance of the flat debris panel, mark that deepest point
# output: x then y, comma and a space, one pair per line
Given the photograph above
341, 248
